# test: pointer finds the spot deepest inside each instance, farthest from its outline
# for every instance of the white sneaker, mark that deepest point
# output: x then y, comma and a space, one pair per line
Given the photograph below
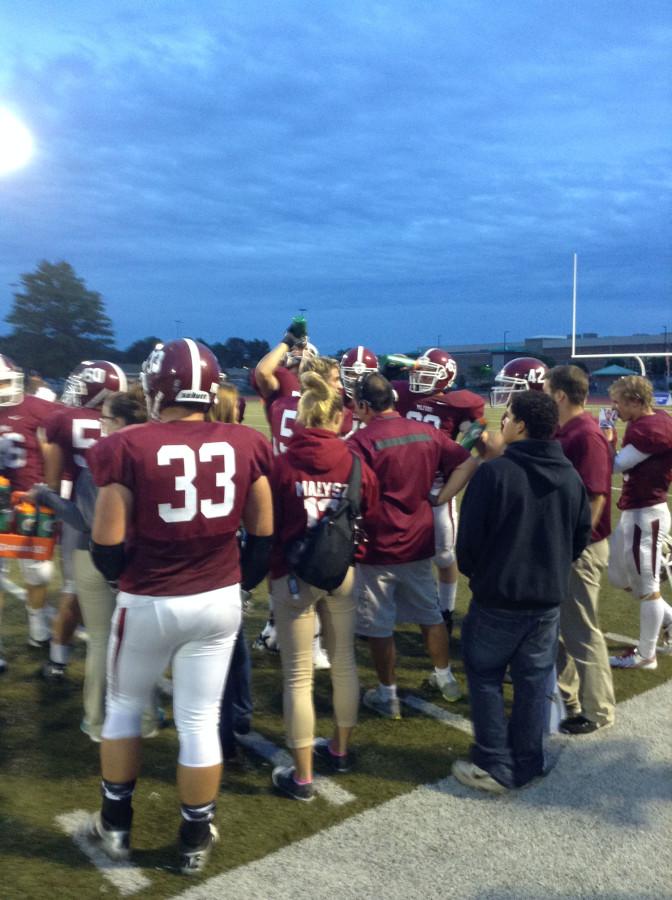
632, 660
450, 689
320, 658
388, 707
473, 776
267, 639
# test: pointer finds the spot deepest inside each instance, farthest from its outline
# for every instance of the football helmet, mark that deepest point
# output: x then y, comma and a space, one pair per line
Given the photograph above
434, 371
182, 371
296, 354
526, 373
91, 382
354, 363
11, 382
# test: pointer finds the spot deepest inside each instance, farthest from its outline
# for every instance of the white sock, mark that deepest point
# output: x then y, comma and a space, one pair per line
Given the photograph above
59, 653
443, 673
667, 612
447, 594
388, 691
651, 614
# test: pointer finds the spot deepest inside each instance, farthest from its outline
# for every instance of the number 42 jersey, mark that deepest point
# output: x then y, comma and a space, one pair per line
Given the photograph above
190, 481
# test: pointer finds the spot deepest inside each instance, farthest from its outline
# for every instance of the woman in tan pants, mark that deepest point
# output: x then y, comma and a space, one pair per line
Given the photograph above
306, 481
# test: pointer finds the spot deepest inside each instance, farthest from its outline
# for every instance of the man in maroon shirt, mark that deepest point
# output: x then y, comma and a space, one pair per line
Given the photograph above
584, 679
22, 422
394, 574
646, 462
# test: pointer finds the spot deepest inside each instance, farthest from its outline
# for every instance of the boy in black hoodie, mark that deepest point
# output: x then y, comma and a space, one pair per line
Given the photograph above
525, 517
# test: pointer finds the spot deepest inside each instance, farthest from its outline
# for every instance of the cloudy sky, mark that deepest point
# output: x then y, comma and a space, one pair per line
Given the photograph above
403, 170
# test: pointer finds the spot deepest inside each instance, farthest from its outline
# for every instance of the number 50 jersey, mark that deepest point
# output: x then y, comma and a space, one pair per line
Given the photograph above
190, 481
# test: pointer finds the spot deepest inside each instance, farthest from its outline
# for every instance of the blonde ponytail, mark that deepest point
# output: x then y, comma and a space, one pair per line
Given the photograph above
320, 403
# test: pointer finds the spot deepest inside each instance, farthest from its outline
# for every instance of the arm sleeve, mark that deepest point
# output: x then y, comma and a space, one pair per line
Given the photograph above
473, 525
628, 458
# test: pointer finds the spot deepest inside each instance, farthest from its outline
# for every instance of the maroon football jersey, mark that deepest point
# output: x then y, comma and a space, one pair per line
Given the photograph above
647, 483
445, 410
19, 424
288, 386
74, 430
586, 447
282, 419
308, 480
405, 455
190, 482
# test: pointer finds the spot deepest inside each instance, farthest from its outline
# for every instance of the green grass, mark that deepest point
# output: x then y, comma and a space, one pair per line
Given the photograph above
48, 767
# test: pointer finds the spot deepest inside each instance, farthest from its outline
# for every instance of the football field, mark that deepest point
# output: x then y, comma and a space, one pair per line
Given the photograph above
397, 824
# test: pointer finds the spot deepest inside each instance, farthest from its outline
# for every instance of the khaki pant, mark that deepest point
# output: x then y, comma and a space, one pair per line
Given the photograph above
295, 622
97, 601
585, 678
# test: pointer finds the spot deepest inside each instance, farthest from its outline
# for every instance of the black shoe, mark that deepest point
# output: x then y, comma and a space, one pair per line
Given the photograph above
194, 859
53, 672
580, 725
283, 780
448, 619
339, 764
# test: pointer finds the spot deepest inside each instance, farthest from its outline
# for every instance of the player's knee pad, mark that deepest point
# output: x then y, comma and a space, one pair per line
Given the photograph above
444, 557
199, 749
121, 722
36, 573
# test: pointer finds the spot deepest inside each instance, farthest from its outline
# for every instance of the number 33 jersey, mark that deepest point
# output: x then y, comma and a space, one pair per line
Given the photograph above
190, 481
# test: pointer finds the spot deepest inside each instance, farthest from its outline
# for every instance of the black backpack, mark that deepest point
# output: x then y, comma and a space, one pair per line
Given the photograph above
323, 555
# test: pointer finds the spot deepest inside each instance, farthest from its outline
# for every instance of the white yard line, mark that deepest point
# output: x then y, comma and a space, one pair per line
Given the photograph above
126, 878
326, 787
454, 720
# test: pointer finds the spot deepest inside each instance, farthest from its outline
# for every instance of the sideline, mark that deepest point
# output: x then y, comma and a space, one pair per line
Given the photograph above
598, 824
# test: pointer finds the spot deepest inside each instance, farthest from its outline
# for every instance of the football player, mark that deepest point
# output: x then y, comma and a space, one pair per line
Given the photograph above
645, 459
71, 431
172, 495
526, 373
276, 373
22, 422
355, 362
427, 397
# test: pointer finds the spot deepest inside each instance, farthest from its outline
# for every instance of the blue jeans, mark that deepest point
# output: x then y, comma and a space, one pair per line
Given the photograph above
492, 639
236, 708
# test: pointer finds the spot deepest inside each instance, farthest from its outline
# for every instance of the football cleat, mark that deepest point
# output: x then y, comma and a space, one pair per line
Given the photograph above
194, 859
114, 842
632, 660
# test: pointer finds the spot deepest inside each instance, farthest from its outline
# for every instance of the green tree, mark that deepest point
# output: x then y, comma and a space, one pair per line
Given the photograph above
57, 321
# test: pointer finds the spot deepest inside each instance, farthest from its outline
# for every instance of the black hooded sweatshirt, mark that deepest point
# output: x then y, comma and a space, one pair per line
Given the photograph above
524, 518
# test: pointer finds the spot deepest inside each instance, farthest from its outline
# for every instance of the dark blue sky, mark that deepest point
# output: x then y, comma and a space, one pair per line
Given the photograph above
402, 169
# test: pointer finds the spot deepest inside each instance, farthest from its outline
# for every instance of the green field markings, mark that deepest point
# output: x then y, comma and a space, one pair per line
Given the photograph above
124, 876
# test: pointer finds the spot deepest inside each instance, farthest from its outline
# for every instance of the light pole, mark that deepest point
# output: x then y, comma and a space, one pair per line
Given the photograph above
505, 334
667, 358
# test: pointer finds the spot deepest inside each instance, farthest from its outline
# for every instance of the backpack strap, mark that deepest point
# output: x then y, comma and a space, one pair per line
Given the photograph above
354, 490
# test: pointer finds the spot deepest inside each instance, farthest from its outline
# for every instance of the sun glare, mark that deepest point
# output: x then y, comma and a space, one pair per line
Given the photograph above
16, 143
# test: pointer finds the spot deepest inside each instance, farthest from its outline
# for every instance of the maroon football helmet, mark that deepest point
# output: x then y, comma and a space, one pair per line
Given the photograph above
11, 382
526, 373
182, 371
434, 371
91, 382
354, 363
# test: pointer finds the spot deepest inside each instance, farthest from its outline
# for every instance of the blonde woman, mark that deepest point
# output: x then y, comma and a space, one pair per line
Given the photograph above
308, 478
